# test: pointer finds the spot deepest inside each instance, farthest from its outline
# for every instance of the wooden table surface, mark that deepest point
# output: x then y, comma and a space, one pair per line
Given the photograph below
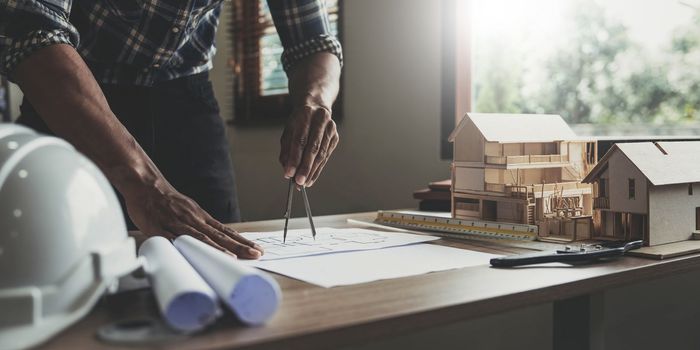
315, 317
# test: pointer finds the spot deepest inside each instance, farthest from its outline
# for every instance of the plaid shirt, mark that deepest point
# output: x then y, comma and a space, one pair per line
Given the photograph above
141, 42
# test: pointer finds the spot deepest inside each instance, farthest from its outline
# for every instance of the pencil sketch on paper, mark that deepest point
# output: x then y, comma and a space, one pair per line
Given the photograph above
329, 240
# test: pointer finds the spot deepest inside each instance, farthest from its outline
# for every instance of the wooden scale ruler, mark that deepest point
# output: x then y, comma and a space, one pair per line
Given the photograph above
457, 227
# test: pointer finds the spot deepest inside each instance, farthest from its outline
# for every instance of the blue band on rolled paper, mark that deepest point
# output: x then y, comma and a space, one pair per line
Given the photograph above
190, 311
255, 298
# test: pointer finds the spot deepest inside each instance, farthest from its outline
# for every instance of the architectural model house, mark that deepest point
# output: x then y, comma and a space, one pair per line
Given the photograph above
523, 169
647, 190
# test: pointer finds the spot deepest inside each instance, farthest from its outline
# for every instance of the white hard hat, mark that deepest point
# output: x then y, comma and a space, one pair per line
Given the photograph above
63, 240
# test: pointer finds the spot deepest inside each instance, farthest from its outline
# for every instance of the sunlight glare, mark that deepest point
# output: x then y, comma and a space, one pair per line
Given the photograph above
541, 20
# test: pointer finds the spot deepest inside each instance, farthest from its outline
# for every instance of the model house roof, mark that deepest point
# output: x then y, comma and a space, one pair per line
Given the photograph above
515, 128
662, 163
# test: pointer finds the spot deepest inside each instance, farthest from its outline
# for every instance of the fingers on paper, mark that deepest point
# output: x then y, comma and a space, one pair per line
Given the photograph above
232, 234
191, 231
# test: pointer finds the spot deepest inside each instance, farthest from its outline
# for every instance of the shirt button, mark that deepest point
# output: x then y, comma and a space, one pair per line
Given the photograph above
175, 29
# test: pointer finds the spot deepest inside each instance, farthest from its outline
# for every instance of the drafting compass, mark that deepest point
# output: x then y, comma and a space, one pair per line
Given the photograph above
288, 213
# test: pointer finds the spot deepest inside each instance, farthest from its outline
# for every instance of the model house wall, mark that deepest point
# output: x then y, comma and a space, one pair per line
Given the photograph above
469, 179
673, 213
470, 148
621, 172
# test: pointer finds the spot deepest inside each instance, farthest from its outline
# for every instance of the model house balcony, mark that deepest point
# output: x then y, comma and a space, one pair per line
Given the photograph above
501, 188
601, 203
527, 159
551, 187
537, 189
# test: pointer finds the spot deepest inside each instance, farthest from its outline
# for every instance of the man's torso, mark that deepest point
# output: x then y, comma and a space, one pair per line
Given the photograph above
145, 41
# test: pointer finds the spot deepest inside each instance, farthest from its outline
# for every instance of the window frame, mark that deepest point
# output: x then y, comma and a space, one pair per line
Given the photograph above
603, 187
631, 189
456, 77
250, 107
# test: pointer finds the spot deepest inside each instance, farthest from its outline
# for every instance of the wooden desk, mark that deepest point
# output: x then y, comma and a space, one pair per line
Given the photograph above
314, 317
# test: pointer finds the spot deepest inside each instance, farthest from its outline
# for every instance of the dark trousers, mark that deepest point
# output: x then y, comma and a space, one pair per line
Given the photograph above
177, 123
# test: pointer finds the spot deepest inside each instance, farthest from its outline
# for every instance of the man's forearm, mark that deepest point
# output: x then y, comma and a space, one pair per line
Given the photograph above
315, 80
64, 92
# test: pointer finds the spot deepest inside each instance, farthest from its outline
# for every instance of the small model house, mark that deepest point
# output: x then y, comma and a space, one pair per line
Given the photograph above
647, 190
522, 169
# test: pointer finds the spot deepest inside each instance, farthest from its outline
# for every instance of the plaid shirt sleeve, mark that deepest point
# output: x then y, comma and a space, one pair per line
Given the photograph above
29, 25
304, 29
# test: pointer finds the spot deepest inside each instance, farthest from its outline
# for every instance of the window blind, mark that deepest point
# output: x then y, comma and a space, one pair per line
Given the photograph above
273, 80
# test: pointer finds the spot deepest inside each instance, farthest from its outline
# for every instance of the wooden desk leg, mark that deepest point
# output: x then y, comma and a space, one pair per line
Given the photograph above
578, 323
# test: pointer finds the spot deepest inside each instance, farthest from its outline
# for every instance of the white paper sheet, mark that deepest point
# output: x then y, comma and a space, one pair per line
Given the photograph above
347, 268
329, 240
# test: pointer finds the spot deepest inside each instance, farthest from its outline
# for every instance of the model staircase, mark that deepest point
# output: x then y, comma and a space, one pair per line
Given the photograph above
523, 192
530, 208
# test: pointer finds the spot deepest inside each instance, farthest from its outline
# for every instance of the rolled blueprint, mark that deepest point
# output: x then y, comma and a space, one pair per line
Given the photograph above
186, 301
250, 293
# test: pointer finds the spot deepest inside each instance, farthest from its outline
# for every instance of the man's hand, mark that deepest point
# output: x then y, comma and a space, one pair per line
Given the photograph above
307, 142
310, 136
160, 210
